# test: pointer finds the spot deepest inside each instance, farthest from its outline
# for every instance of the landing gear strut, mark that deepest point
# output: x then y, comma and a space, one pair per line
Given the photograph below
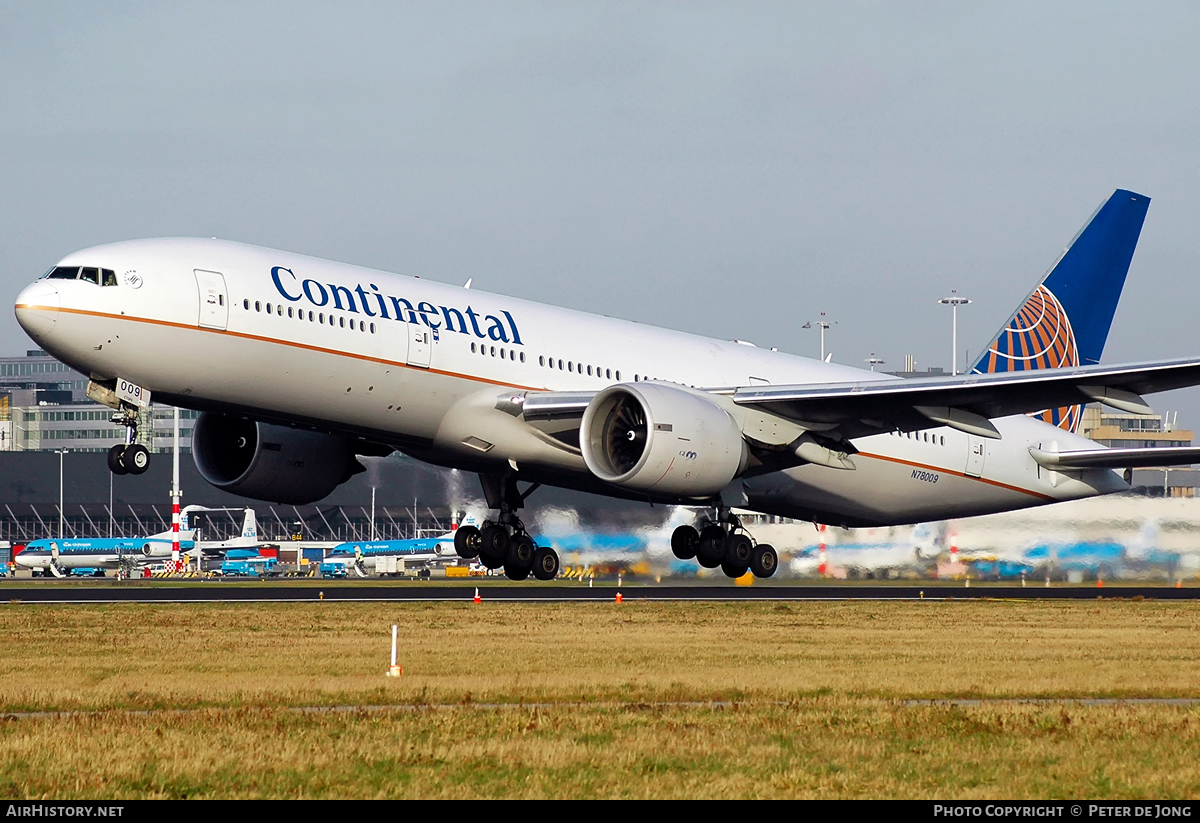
130, 458
725, 543
505, 543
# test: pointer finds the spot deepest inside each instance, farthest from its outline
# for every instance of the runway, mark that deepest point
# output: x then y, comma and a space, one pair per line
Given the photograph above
237, 592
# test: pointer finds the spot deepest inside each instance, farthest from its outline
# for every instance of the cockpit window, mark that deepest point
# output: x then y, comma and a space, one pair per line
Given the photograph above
100, 277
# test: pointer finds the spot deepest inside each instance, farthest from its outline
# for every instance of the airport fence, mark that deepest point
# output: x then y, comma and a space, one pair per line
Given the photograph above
21, 523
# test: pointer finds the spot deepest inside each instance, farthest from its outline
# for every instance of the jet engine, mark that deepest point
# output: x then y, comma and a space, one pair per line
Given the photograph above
267, 462
660, 438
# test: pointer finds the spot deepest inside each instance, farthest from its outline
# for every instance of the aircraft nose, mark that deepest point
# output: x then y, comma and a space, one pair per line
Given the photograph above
37, 309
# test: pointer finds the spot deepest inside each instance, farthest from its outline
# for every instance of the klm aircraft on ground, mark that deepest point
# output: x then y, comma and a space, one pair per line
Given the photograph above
365, 556
300, 365
59, 556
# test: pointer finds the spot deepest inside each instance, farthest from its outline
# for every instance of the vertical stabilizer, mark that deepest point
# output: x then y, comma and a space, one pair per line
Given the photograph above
1065, 320
250, 528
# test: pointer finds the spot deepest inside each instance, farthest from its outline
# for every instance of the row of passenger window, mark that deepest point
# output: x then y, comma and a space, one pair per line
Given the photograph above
578, 368
98, 277
505, 354
486, 351
935, 439
337, 320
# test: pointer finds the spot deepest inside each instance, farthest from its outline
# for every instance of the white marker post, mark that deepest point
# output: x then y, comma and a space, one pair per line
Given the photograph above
393, 670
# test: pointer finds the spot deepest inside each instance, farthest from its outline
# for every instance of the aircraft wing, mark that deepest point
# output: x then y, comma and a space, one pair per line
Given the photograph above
965, 402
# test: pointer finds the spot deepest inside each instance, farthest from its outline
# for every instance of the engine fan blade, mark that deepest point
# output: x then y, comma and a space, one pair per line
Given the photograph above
626, 434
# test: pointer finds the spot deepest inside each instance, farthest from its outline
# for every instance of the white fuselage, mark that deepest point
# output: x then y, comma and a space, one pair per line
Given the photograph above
99, 553
420, 365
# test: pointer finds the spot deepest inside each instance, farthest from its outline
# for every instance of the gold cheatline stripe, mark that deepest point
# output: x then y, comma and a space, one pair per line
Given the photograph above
959, 474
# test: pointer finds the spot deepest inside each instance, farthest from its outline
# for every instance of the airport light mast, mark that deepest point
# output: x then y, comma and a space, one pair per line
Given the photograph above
954, 301
821, 324
60, 453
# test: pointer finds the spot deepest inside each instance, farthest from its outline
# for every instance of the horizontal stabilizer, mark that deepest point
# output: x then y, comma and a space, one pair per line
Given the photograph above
1117, 458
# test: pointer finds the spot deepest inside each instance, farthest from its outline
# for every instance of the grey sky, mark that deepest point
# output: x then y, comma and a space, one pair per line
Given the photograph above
728, 169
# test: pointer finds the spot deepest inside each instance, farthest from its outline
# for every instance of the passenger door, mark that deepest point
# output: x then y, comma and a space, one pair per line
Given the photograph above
975, 456
419, 344
214, 303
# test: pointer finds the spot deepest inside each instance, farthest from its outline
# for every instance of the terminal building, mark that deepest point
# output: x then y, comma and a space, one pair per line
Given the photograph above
44, 407
1122, 430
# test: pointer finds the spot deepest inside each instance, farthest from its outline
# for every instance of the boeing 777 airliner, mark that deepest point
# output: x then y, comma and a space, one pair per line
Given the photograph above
298, 365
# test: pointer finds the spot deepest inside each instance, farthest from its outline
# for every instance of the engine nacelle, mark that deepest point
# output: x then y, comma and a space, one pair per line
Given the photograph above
273, 463
660, 438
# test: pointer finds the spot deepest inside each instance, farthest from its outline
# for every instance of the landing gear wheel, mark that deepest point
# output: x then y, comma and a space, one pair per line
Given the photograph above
135, 459
545, 563
738, 551
467, 542
684, 542
763, 560
710, 551
516, 572
493, 548
114, 460
732, 569
520, 554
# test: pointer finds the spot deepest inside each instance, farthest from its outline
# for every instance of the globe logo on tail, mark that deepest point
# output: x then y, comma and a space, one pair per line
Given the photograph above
1039, 336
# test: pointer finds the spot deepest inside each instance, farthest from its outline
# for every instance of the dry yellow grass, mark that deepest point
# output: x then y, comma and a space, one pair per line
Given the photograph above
817, 693
820, 747
142, 656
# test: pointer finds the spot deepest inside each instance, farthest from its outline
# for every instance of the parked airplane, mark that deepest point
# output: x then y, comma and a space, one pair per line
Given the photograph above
247, 539
299, 364
59, 555
363, 557
869, 552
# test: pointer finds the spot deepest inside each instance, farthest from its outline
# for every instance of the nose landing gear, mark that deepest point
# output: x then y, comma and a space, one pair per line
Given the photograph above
725, 543
131, 458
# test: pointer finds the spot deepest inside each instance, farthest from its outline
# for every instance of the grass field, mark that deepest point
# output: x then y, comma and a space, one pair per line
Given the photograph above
599, 700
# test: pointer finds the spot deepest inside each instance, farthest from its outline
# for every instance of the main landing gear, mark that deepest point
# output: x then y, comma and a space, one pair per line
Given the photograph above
505, 543
725, 543
130, 458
